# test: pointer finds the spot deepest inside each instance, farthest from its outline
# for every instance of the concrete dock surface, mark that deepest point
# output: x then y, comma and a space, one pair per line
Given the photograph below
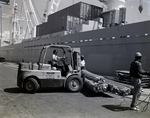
58, 103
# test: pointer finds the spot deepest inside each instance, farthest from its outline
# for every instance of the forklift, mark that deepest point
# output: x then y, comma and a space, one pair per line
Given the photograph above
43, 74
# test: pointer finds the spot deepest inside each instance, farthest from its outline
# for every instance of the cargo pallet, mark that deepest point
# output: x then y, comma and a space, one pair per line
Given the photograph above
123, 76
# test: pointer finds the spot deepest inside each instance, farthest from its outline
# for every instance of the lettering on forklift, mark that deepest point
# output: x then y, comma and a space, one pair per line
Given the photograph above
50, 73
50, 76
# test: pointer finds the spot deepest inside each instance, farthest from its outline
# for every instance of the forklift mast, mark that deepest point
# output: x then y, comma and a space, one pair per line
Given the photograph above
76, 58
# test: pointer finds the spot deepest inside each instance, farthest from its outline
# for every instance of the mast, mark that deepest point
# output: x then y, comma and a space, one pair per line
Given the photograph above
51, 7
15, 10
34, 18
7, 3
0, 24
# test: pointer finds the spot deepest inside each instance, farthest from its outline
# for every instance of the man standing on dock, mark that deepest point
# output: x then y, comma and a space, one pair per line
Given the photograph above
82, 62
136, 72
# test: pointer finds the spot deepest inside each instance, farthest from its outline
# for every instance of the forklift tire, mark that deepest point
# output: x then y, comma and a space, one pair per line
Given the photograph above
31, 85
74, 83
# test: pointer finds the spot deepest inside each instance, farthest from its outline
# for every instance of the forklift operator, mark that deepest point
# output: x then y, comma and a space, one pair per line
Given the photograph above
56, 58
58, 62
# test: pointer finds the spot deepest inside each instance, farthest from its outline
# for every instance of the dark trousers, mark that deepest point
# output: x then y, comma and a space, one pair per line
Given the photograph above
137, 92
82, 67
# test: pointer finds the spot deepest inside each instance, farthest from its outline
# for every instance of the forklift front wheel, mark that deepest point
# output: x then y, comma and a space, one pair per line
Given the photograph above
31, 85
74, 84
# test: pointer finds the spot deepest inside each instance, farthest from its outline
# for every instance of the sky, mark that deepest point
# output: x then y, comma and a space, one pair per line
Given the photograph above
40, 5
132, 7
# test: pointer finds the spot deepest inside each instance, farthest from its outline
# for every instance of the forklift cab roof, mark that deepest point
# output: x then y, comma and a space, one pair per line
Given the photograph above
57, 46
65, 48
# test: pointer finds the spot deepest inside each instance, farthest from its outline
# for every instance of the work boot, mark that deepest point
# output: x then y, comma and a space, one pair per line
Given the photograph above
136, 108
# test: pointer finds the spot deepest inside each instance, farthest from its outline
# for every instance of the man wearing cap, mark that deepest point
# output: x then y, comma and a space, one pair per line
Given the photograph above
56, 58
136, 72
58, 62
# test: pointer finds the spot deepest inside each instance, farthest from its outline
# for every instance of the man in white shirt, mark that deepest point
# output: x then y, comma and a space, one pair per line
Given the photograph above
55, 57
82, 62
58, 62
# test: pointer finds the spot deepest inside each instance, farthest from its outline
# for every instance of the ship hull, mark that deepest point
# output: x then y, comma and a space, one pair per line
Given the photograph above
105, 50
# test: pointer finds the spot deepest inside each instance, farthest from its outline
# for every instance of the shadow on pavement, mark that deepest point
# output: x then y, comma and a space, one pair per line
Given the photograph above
41, 90
52, 90
85, 91
13, 90
116, 107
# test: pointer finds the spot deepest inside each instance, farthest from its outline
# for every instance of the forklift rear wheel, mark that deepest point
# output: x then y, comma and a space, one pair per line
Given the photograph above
74, 83
31, 85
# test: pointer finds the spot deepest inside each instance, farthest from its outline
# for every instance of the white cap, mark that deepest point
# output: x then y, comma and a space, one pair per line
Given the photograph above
138, 54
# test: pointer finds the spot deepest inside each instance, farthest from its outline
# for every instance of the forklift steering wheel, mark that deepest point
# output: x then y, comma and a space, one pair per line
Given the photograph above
64, 59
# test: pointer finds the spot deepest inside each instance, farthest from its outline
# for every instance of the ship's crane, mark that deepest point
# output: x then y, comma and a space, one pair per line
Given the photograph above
140, 6
5, 1
33, 13
1, 2
15, 28
31, 19
51, 7
28, 20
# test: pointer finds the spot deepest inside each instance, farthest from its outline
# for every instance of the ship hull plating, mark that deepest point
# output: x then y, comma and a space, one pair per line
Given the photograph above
105, 50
